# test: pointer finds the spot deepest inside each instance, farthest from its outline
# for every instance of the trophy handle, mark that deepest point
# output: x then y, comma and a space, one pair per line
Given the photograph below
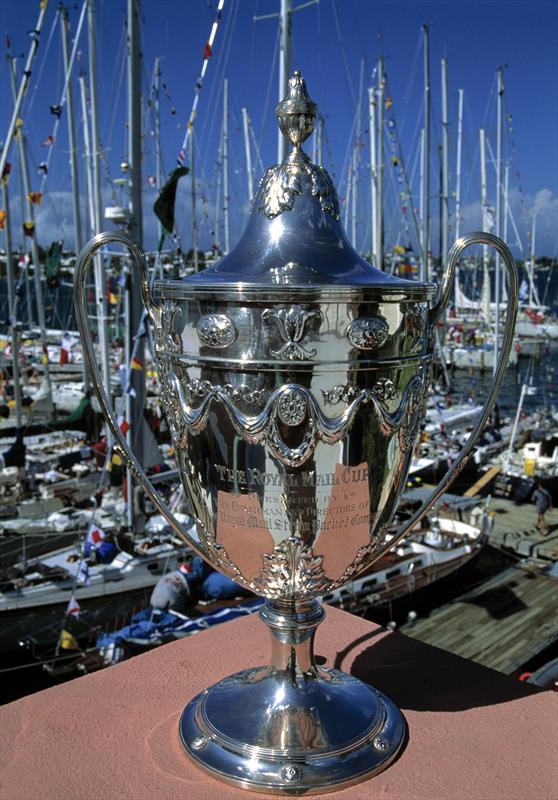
507, 340
121, 445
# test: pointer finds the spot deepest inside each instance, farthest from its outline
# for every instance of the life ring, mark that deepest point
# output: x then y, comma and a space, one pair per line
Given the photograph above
517, 348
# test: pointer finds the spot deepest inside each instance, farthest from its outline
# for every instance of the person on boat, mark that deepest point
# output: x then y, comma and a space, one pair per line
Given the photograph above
192, 583
176, 591
543, 502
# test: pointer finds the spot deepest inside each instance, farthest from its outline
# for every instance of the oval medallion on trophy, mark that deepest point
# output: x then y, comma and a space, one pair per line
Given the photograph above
368, 333
216, 330
291, 407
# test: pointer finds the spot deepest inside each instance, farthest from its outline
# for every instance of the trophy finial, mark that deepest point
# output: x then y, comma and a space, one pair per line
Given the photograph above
297, 111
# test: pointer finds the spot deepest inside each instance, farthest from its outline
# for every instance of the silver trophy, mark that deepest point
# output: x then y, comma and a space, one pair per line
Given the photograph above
293, 378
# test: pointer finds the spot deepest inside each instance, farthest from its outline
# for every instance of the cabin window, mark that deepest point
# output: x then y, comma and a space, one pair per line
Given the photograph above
393, 572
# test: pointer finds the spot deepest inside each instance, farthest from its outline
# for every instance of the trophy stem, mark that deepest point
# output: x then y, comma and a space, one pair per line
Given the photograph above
293, 625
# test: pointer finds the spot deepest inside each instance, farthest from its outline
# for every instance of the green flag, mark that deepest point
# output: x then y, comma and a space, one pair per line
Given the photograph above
53, 264
164, 205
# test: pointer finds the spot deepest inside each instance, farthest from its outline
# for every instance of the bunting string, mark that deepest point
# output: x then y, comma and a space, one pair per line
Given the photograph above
405, 200
56, 110
207, 53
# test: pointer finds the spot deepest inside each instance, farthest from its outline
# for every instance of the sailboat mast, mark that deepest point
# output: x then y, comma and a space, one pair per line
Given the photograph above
135, 309
192, 155
249, 176
505, 204
354, 194
532, 264
22, 145
12, 304
356, 157
74, 172
102, 306
25, 265
135, 225
458, 183
226, 163
87, 148
284, 68
217, 223
157, 110
380, 154
445, 163
24, 85
422, 271
485, 226
373, 172
426, 202
348, 195
497, 290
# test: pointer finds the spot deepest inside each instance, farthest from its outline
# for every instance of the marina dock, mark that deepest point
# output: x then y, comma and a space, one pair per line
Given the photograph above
514, 530
512, 616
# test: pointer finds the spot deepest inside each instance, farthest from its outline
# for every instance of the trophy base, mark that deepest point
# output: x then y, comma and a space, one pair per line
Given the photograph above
319, 738
292, 727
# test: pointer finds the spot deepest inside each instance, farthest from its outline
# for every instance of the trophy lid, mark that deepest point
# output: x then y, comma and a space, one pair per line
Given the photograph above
294, 237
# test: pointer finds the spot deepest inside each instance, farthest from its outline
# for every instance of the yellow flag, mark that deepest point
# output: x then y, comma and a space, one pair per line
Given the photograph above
67, 641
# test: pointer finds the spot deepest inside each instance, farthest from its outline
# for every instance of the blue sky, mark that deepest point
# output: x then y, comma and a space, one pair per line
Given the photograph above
330, 40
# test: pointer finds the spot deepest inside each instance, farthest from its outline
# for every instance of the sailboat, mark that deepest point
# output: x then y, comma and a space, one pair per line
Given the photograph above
442, 546
37, 587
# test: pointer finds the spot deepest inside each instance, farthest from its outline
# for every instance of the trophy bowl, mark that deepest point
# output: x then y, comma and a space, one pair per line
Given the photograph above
293, 379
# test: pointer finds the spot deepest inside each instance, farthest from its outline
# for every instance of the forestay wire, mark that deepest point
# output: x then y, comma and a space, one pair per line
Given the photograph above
208, 50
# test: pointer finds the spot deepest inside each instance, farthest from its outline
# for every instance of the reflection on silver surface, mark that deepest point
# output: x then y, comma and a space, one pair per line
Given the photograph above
294, 377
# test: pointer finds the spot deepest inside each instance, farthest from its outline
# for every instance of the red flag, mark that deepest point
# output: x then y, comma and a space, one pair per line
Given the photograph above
123, 424
73, 607
208, 52
95, 535
49, 141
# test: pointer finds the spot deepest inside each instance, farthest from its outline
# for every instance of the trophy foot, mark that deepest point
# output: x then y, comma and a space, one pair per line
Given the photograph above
292, 728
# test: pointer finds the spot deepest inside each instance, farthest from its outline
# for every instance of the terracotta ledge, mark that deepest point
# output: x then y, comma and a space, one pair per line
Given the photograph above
473, 733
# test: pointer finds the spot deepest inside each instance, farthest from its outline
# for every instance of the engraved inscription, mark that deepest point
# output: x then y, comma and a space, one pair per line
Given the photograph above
341, 500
